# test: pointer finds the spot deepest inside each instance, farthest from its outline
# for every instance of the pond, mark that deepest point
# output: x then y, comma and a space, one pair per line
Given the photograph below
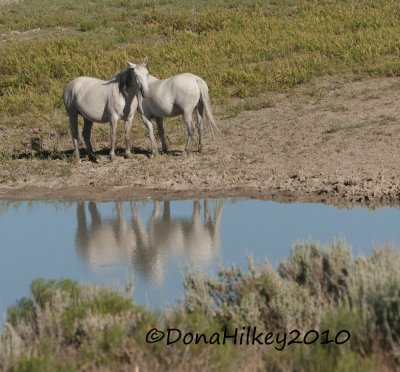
153, 242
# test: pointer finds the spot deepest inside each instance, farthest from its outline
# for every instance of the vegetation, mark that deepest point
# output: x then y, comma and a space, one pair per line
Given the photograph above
243, 49
68, 326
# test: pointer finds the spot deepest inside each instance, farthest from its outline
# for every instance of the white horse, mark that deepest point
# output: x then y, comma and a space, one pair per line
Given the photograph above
177, 95
105, 101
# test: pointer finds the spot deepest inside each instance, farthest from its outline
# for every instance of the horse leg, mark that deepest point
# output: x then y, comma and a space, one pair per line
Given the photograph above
187, 117
82, 235
128, 124
160, 128
94, 215
73, 124
206, 212
200, 115
113, 137
86, 133
149, 127
196, 219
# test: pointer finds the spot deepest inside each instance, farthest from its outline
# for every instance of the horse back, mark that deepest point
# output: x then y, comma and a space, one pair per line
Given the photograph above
91, 98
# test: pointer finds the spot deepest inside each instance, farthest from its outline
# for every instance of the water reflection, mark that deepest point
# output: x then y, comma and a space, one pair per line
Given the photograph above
111, 241
153, 242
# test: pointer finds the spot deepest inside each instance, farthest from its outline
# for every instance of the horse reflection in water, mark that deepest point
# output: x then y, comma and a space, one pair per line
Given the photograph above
106, 241
112, 241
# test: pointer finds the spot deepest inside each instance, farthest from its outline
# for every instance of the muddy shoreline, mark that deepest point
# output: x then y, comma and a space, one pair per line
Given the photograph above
122, 193
335, 141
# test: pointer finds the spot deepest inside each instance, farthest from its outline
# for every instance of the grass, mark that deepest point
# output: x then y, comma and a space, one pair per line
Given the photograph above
387, 119
337, 108
243, 49
68, 326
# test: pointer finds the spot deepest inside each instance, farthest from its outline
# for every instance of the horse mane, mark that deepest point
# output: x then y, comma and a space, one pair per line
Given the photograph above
125, 79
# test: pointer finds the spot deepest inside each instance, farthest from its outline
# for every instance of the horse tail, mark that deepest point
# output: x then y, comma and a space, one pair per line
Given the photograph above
205, 100
68, 97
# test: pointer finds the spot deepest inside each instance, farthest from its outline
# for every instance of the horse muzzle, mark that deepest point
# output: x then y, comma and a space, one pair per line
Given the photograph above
145, 93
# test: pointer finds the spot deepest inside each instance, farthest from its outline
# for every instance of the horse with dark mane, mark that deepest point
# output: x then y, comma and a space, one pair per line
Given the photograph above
105, 101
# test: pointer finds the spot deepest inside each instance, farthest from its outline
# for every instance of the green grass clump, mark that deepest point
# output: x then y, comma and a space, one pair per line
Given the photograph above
110, 303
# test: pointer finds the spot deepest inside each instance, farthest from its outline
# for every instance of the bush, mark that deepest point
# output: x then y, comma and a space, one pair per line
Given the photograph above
69, 325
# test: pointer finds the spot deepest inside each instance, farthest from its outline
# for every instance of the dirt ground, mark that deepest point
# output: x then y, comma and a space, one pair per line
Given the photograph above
335, 140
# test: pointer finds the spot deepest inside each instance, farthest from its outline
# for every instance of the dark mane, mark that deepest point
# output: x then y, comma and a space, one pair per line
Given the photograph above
125, 79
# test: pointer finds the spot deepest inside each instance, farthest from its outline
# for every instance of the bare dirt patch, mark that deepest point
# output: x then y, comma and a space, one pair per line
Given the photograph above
335, 141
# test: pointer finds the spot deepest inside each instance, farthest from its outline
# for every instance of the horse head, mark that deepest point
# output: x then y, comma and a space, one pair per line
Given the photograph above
140, 74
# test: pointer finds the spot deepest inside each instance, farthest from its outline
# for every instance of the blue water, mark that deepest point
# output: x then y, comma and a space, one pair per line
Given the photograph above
102, 243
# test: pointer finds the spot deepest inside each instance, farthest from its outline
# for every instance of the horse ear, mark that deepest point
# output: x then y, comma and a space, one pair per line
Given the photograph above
132, 65
146, 61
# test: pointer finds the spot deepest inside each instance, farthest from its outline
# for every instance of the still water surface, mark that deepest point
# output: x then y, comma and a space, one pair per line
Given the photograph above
153, 242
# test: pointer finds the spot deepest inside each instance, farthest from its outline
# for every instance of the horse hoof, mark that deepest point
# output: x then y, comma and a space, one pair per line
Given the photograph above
93, 158
128, 155
112, 158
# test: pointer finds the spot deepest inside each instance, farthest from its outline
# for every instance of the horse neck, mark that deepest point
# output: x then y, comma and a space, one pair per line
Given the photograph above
151, 78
